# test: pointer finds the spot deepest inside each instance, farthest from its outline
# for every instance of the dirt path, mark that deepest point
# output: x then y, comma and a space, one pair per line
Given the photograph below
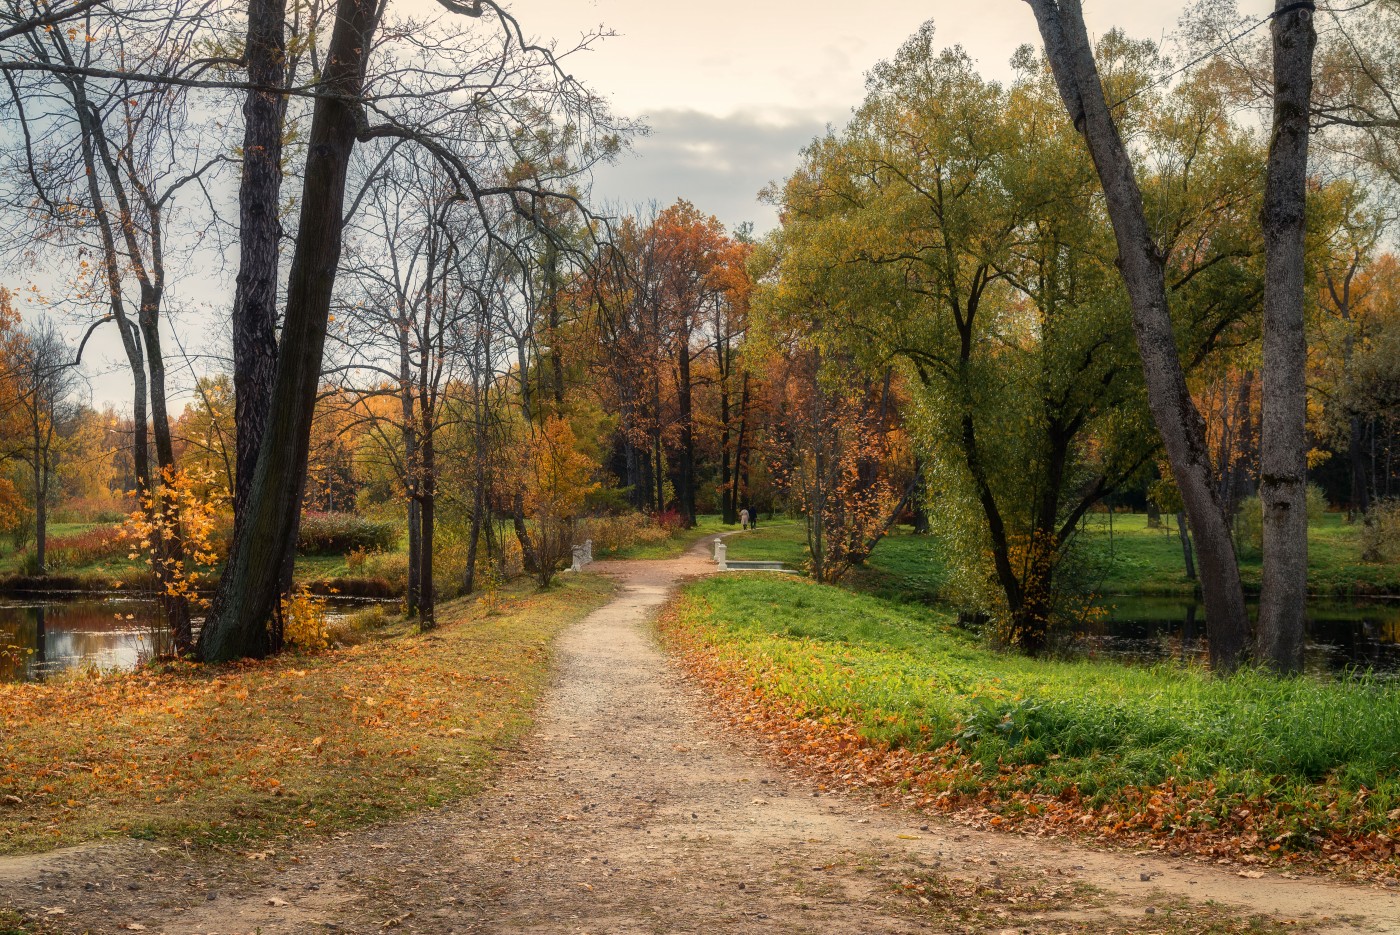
628, 811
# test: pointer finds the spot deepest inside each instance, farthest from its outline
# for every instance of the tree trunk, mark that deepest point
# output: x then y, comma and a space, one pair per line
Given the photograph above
529, 559
473, 537
1186, 552
1283, 436
1356, 456
259, 203
251, 585
415, 556
686, 493
41, 510
1142, 266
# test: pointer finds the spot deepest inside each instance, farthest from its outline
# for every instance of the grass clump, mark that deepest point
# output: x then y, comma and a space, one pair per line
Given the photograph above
233, 755
1283, 763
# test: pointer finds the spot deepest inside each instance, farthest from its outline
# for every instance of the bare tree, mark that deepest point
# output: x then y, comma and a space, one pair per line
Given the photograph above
451, 94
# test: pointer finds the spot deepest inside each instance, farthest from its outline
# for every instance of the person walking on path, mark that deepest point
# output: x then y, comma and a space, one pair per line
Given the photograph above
744, 518
753, 518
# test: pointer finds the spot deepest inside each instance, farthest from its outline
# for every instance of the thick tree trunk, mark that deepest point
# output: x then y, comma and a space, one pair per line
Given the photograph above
1141, 264
1283, 436
251, 585
259, 201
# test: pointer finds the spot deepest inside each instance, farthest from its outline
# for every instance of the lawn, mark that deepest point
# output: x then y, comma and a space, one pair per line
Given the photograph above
1279, 765
1139, 560
1132, 558
235, 755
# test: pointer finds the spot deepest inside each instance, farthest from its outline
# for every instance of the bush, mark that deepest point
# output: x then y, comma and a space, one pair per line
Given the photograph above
77, 550
94, 510
1380, 532
670, 520
338, 533
387, 566
612, 534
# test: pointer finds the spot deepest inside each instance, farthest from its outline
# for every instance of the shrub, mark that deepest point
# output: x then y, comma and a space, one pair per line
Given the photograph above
1380, 532
77, 550
670, 520
612, 534
387, 566
338, 533
304, 620
94, 510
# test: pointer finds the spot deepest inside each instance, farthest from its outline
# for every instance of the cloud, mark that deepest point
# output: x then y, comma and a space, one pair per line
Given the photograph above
717, 163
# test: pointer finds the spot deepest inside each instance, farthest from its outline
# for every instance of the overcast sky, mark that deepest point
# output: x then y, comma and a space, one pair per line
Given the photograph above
731, 89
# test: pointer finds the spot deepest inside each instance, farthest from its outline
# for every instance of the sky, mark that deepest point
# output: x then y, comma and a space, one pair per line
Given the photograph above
731, 91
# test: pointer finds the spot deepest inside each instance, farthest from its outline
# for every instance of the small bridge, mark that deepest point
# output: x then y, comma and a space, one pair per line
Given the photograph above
727, 564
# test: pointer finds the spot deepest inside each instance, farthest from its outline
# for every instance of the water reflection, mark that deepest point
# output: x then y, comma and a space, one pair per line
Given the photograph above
42, 636
1341, 635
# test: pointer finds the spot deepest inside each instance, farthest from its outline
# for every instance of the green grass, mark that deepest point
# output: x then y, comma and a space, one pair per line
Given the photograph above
902, 567
1301, 750
1149, 561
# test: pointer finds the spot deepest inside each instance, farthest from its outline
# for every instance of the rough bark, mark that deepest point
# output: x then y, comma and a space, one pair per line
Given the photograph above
259, 200
1283, 436
1142, 266
251, 585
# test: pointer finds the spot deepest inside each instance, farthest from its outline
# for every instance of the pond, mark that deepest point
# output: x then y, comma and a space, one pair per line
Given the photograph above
1341, 635
45, 634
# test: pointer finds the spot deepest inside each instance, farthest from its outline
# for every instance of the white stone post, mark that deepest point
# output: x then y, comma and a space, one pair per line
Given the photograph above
587, 551
721, 556
578, 559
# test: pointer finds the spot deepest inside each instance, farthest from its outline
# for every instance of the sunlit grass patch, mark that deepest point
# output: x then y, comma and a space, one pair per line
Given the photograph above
238, 754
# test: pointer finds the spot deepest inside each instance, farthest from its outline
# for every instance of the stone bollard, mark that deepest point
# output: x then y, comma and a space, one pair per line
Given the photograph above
721, 555
578, 559
587, 551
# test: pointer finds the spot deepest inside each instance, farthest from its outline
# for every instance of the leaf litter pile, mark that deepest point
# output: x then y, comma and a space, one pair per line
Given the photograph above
236, 755
932, 721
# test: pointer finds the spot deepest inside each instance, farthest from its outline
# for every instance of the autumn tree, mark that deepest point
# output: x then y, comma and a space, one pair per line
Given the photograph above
39, 364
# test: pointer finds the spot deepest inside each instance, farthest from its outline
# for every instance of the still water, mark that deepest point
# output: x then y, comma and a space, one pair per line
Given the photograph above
44, 635
1342, 636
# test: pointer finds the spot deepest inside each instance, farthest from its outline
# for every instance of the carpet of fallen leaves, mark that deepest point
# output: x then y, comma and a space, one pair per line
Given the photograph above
833, 750
241, 754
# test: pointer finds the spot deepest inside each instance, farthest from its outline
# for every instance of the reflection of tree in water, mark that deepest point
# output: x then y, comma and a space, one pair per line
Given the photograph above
57, 635
1341, 635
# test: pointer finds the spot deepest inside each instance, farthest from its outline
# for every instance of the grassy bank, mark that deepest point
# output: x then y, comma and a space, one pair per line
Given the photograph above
235, 755
899, 697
